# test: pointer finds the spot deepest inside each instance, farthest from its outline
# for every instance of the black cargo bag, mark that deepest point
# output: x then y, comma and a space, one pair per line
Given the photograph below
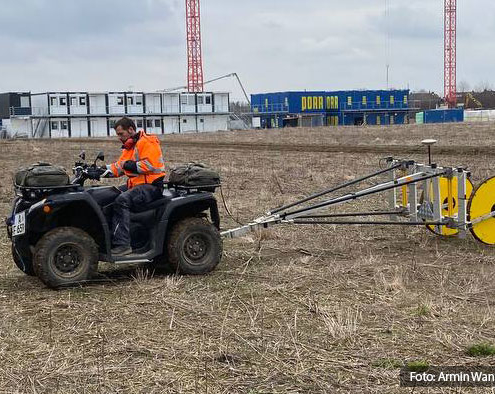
41, 175
194, 175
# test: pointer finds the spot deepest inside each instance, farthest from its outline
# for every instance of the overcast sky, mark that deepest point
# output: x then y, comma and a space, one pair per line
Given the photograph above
274, 45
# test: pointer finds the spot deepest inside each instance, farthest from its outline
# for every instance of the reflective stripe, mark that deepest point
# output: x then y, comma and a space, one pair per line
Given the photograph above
120, 170
144, 166
116, 169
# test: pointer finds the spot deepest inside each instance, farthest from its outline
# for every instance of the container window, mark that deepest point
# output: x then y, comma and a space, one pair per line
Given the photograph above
184, 120
63, 101
120, 100
349, 100
190, 99
139, 123
54, 125
392, 100
63, 125
53, 101
139, 100
130, 100
405, 99
378, 100
82, 100
149, 123
200, 100
201, 121
183, 99
73, 101
365, 100
378, 120
158, 123
24, 101
208, 99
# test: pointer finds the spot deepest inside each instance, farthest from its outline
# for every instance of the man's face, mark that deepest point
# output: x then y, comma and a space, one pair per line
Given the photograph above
124, 135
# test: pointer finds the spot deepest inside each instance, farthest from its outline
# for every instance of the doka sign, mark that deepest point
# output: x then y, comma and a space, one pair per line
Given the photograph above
315, 103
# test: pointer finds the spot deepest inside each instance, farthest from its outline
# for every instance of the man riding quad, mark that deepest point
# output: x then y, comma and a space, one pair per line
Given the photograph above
142, 162
60, 229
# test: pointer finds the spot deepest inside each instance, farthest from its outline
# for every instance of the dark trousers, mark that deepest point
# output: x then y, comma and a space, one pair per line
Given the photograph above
138, 196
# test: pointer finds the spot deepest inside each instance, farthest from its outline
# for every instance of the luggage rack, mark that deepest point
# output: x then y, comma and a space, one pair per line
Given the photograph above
194, 189
32, 192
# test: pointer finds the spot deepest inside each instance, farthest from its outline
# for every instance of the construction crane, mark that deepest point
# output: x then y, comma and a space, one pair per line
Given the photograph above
194, 54
450, 25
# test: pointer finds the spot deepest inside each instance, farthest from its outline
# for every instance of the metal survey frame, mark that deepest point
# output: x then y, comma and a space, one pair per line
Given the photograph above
404, 175
453, 220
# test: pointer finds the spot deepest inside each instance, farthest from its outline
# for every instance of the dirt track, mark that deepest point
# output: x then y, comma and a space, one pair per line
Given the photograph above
472, 150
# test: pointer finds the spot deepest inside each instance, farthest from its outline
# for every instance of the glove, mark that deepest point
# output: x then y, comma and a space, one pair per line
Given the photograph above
130, 165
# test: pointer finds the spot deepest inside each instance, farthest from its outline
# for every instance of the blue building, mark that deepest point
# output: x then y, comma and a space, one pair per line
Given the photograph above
320, 108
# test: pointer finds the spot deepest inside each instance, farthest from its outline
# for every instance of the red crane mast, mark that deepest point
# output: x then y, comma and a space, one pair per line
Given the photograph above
194, 56
450, 89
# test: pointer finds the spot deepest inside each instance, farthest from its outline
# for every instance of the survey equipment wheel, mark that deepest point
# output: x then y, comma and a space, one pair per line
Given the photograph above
482, 203
444, 230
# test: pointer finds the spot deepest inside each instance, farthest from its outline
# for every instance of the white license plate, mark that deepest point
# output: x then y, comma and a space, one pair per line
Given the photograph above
19, 226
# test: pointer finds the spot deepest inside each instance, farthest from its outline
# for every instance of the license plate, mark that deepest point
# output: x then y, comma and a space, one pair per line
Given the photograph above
19, 226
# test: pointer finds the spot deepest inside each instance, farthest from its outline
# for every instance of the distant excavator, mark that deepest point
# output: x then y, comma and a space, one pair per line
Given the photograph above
469, 98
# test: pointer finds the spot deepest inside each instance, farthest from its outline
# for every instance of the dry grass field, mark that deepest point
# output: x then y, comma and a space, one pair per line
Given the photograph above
290, 310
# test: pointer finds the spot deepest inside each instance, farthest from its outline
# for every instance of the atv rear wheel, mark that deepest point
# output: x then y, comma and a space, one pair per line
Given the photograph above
194, 246
23, 264
65, 256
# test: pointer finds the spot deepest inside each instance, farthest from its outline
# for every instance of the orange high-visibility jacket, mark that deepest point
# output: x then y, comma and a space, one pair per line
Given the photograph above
149, 160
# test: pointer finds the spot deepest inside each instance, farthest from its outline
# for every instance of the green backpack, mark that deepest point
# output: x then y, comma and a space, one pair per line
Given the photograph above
194, 175
41, 175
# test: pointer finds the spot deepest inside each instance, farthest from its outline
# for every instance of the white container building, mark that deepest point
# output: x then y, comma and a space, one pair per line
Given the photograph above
93, 114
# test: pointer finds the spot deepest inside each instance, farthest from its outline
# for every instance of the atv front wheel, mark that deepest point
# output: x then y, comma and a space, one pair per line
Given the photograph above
23, 264
65, 256
194, 246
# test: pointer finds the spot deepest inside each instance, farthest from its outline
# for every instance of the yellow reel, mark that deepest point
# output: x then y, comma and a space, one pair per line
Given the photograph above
444, 192
481, 203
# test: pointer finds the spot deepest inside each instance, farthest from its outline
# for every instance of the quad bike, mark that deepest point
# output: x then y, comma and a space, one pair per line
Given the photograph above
60, 233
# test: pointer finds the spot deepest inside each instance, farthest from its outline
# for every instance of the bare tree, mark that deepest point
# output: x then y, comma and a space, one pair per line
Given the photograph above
463, 87
483, 86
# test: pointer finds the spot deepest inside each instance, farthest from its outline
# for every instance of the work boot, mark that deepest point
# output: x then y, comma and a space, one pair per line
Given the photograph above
121, 250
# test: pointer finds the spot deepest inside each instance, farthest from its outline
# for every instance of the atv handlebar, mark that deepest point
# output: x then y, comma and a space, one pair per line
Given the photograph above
80, 171
83, 170
87, 172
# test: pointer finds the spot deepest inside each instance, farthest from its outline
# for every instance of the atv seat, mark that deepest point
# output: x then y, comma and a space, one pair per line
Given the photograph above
167, 196
152, 205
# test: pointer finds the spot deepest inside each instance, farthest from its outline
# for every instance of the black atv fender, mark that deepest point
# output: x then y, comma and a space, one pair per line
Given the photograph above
76, 209
189, 205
